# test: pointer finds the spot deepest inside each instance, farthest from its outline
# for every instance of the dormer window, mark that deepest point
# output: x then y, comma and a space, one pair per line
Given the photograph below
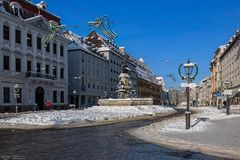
16, 11
16, 8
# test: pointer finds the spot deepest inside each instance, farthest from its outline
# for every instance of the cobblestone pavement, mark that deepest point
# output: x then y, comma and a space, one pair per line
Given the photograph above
106, 142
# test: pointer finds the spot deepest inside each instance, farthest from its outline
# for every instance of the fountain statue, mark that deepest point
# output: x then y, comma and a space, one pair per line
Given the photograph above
124, 89
124, 86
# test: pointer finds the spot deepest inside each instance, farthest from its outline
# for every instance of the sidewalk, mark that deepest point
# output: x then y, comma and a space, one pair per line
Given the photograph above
219, 136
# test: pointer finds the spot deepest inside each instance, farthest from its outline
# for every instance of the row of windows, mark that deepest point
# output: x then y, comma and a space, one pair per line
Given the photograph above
98, 87
6, 96
6, 36
6, 66
118, 64
111, 70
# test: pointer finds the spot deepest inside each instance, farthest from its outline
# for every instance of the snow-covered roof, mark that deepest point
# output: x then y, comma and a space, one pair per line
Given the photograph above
79, 42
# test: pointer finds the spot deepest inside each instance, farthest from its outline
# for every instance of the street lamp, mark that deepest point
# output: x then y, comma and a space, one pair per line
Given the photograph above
226, 85
74, 96
188, 68
16, 89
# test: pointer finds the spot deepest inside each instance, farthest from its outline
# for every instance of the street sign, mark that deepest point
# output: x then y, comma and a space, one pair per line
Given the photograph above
218, 94
183, 85
227, 92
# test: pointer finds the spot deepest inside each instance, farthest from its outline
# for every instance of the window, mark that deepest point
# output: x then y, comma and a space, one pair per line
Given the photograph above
29, 66
6, 62
18, 65
54, 96
48, 47
38, 67
6, 32
62, 97
47, 69
16, 11
39, 43
18, 36
29, 40
19, 99
61, 51
54, 48
62, 73
6, 95
55, 71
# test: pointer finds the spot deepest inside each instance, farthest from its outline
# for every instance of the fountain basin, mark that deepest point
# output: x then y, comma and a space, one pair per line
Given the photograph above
125, 102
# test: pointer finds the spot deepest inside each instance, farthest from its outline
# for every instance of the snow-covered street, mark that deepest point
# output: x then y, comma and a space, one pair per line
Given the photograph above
199, 121
92, 114
212, 131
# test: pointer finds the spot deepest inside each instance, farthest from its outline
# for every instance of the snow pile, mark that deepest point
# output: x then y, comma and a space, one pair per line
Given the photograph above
199, 122
93, 114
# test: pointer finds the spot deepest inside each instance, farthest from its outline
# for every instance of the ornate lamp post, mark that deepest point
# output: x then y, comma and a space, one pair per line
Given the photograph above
74, 96
189, 76
16, 89
226, 85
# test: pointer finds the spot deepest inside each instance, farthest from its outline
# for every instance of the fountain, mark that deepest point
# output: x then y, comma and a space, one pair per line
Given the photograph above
124, 89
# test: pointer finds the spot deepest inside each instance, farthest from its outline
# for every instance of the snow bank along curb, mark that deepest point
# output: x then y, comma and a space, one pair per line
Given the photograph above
87, 116
158, 132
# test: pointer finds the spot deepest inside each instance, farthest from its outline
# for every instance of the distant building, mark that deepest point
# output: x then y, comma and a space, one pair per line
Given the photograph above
216, 74
115, 56
40, 72
204, 92
97, 63
147, 83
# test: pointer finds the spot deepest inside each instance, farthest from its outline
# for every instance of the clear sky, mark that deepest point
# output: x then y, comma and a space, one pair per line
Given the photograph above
164, 33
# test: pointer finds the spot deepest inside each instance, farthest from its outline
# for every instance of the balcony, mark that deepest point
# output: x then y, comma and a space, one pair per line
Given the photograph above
38, 75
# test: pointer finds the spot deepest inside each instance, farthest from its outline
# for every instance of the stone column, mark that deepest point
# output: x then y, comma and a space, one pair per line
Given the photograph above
34, 65
1, 33
12, 63
12, 35
34, 42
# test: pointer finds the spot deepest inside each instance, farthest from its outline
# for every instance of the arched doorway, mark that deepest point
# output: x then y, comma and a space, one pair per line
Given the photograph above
39, 98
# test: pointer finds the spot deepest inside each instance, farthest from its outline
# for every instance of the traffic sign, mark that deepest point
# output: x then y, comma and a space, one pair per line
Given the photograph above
227, 92
183, 85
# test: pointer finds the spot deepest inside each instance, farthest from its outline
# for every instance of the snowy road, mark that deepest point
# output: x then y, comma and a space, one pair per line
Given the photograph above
212, 132
108, 142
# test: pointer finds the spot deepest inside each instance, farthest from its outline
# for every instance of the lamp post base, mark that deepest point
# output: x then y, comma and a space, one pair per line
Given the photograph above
16, 109
188, 117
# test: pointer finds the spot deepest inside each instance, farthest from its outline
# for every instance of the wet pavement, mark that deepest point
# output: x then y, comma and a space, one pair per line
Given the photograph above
105, 142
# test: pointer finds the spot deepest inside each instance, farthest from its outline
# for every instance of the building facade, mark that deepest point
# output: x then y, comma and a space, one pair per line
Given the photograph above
204, 96
216, 74
88, 72
40, 72
148, 85
230, 66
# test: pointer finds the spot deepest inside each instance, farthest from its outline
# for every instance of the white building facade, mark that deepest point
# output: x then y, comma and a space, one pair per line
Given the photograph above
40, 72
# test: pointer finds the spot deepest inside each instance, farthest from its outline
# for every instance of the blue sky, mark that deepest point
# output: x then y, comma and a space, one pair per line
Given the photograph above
159, 30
